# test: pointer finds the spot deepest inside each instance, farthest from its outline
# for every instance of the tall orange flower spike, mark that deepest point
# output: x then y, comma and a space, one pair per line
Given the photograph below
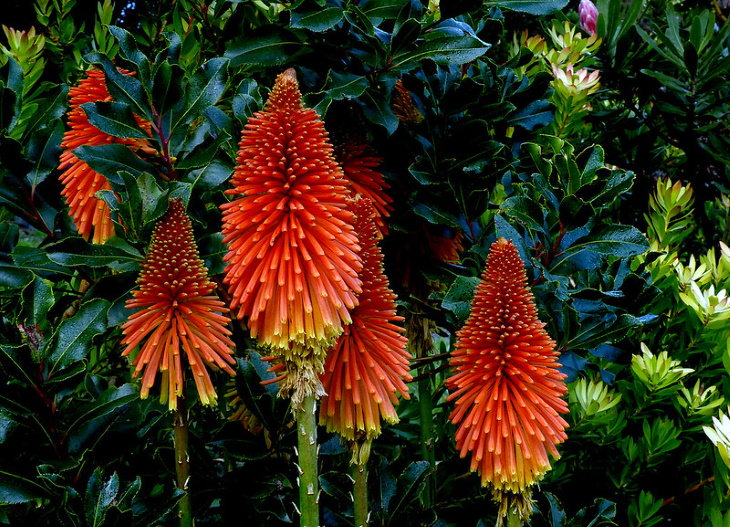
507, 385
178, 313
359, 164
80, 182
293, 259
368, 367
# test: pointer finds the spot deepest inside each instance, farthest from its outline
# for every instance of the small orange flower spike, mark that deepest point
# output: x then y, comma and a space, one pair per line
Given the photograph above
368, 367
80, 182
506, 382
178, 314
293, 259
403, 105
359, 163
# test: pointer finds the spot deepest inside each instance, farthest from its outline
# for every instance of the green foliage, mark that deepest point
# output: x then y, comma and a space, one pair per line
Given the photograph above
517, 140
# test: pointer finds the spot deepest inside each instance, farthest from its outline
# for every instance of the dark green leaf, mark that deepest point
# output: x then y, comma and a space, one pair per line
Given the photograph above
99, 496
272, 48
409, 481
443, 48
9, 236
459, 296
435, 215
113, 118
532, 7
318, 21
38, 298
110, 160
74, 335
16, 489
98, 413
378, 110
203, 90
166, 87
534, 114
14, 277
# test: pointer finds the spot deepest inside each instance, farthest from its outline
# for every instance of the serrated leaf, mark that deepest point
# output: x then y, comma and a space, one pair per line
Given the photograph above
531, 7
98, 413
13, 277
270, 49
443, 49
110, 160
317, 21
113, 118
15, 489
74, 335
459, 296
203, 90
38, 298
99, 496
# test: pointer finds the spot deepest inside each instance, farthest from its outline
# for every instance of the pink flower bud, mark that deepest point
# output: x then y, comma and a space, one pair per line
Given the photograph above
588, 16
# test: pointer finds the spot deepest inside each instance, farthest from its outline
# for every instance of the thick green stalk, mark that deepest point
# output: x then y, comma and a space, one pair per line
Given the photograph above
513, 518
182, 463
307, 454
360, 494
425, 404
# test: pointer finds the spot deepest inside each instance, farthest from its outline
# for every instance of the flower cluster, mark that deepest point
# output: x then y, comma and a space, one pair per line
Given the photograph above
80, 181
367, 368
506, 383
293, 254
177, 314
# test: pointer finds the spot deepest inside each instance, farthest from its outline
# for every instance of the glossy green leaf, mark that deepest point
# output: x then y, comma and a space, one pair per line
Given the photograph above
110, 160
443, 48
459, 296
203, 90
271, 47
318, 21
38, 298
113, 118
73, 338
531, 7
100, 495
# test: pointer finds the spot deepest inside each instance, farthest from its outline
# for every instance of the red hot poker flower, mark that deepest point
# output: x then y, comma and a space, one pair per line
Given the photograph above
178, 314
507, 386
359, 164
80, 182
292, 256
366, 369
403, 105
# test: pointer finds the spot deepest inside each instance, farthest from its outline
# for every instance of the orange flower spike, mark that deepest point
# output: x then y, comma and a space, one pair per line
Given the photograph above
403, 105
293, 259
506, 382
359, 164
177, 314
80, 182
368, 367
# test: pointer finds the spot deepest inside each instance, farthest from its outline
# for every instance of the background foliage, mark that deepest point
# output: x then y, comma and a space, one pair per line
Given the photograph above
616, 198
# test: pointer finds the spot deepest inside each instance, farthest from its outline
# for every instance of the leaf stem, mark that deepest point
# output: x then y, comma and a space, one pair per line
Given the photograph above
182, 463
307, 458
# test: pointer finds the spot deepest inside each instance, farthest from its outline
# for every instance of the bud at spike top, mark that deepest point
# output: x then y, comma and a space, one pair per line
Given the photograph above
80, 182
506, 382
293, 259
359, 164
366, 369
588, 14
178, 314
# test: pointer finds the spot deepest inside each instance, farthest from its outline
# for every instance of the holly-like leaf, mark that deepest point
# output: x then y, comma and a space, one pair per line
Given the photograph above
73, 339
317, 21
113, 118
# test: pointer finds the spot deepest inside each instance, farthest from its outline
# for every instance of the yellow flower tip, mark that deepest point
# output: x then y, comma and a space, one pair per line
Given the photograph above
176, 315
506, 382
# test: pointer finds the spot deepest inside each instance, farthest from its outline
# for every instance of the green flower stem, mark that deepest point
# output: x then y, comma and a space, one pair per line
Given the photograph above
307, 454
513, 518
182, 463
360, 494
426, 412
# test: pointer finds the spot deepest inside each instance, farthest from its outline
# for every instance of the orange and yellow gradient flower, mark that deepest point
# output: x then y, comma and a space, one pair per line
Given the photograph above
178, 314
506, 382
293, 255
359, 164
367, 368
80, 182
